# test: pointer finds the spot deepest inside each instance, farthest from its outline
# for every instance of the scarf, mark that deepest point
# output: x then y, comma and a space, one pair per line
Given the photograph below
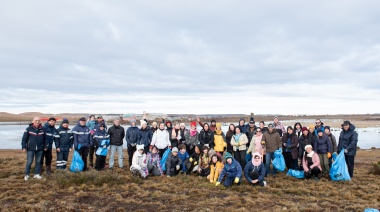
174, 133
193, 132
253, 159
237, 137
310, 154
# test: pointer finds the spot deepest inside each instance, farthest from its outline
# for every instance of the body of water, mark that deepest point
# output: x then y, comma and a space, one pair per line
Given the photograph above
11, 135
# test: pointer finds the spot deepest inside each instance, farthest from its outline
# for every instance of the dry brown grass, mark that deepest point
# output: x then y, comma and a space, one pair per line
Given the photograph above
118, 190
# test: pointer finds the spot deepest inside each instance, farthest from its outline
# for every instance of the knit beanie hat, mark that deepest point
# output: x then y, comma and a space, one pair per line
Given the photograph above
193, 123
319, 130
327, 127
304, 129
228, 155
311, 127
308, 146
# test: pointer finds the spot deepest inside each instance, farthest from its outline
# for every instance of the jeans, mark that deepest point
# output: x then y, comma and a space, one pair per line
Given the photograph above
269, 156
119, 155
229, 180
83, 151
48, 155
62, 158
30, 155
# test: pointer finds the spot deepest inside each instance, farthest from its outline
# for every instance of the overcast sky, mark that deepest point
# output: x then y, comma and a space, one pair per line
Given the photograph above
277, 57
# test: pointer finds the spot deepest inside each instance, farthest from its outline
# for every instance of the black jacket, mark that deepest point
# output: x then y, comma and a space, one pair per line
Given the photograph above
34, 139
117, 135
348, 140
65, 140
206, 138
51, 135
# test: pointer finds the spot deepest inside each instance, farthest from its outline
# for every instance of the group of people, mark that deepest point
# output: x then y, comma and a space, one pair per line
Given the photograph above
210, 152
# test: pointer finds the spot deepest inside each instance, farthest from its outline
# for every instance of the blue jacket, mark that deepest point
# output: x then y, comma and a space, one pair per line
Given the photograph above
133, 135
316, 128
145, 137
244, 128
323, 144
184, 158
250, 167
81, 136
98, 137
34, 139
65, 140
52, 135
91, 124
348, 140
231, 170
98, 123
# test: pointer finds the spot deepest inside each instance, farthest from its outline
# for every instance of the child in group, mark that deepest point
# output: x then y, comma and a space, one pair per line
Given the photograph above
173, 163
216, 167
194, 159
139, 166
101, 142
232, 170
153, 162
184, 156
204, 162
254, 172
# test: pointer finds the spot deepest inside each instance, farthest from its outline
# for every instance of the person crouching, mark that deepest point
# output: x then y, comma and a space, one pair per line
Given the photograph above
254, 172
311, 163
173, 163
139, 166
232, 170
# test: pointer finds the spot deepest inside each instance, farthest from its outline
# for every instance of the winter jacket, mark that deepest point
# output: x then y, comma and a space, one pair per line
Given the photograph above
229, 135
66, 139
215, 170
139, 161
192, 141
184, 157
250, 168
348, 140
183, 135
255, 146
316, 162
323, 145
204, 161
153, 129
280, 128
333, 142
250, 133
219, 142
34, 138
211, 127
117, 135
51, 133
231, 170
132, 136
98, 124
154, 160
272, 141
195, 156
243, 128
303, 141
206, 138
172, 161
145, 137
98, 137
241, 144
320, 127
81, 136
160, 139
290, 146
173, 135
91, 124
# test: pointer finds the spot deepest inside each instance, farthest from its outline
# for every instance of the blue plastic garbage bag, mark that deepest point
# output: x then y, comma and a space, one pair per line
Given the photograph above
103, 151
248, 157
296, 173
77, 163
163, 159
279, 161
339, 170
371, 210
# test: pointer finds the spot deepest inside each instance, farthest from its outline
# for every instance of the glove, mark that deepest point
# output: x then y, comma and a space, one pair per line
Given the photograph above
345, 151
150, 147
248, 151
309, 171
236, 180
168, 176
334, 154
280, 149
177, 167
191, 159
217, 183
211, 181
262, 142
195, 163
328, 155
105, 146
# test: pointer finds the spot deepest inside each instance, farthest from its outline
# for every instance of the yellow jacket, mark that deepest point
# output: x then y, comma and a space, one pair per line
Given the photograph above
220, 142
215, 170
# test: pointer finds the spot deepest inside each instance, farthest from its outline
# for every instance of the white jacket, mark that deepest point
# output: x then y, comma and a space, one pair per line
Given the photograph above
138, 161
160, 139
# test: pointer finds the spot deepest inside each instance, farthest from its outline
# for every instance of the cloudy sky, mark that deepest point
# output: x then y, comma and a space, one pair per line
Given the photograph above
278, 57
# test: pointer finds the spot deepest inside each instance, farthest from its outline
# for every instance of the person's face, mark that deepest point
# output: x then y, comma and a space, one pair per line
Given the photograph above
346, 127
311, 130
82, 122
65, 125
318, 122
206, 127
144, 126
261, 125
205, 151
213, 123
270, 129
308, 150
229, 160
162, 126
298, 127
168, 125
275, 120
219, 128
258, 132
52, 123
154, 125
290, 131
116, 122
176, 126
100, 119
192, 127
214, 159
92, 118
101, 128
251, 124
175, 153
154, 150
141, 151
232, 128
237, 130
182, 127
327, 131
197, 150
257, 158
241, 122
183, 151
305, 132
133, 124
36, 121
320, 134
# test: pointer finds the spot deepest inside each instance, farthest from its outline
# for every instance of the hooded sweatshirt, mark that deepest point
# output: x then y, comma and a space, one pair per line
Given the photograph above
231, 170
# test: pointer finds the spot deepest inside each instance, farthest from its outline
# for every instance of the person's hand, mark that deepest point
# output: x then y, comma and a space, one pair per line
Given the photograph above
328, 155
198, 119
196, 162
309, 171
105, 146
70, 150
254, 181
211, 181
263, 143
23, 150
345, 151
58, 150
170, 147
177, 167
191, 159
217, 183
199, 170
45, 150
284, 144
248, 151
236, 180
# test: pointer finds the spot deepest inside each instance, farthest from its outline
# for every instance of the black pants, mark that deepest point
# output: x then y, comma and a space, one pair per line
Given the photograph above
83, 151
314, 172
48, 155
152, 169
131, 150
350, 164
146, 149
240, 157
100, 162
91, 156
173, 171
204, 172
190, 151
62, 156
161, 152
289, 162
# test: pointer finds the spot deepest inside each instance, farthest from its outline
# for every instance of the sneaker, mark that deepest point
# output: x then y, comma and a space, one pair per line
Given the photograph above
37, 176
26, 178
316, 179
265, 183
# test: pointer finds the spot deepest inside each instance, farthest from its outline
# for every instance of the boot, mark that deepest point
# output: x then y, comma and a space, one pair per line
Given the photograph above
48, 170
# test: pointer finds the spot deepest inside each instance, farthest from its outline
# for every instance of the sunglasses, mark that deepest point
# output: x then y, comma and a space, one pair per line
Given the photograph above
317, 122
258, 131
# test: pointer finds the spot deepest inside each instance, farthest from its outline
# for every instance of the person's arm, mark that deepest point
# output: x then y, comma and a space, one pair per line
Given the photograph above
329, 145
252, 146
353, 141
127, 137
239, 174
243, 140
71, 142
334, 143
304, 164
294, 142
340, 143
316, 161
262, 173
222, 174
25, 138
168, 143
246, 173
200, 122
279, 144
212, 172
154, 138
233, 142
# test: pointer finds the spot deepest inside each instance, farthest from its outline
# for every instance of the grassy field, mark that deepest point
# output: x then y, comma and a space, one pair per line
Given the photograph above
118, 190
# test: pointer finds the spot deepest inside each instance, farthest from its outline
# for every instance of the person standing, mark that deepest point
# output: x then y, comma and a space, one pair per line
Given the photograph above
219, 140
333, 142
64, 144
145, 136
279, 127
239, 142
229, 134
272, 142
117, 134
82, 137
289, 149
318, 125
206, 136
263, 128
161, 140
348, 140
175, 135
100, 141
132, 137
251, 131
98, 122
212, 126
52, 136
34, 143
323, 148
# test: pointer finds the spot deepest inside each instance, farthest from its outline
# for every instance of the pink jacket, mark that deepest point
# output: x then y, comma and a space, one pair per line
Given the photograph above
316, 162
